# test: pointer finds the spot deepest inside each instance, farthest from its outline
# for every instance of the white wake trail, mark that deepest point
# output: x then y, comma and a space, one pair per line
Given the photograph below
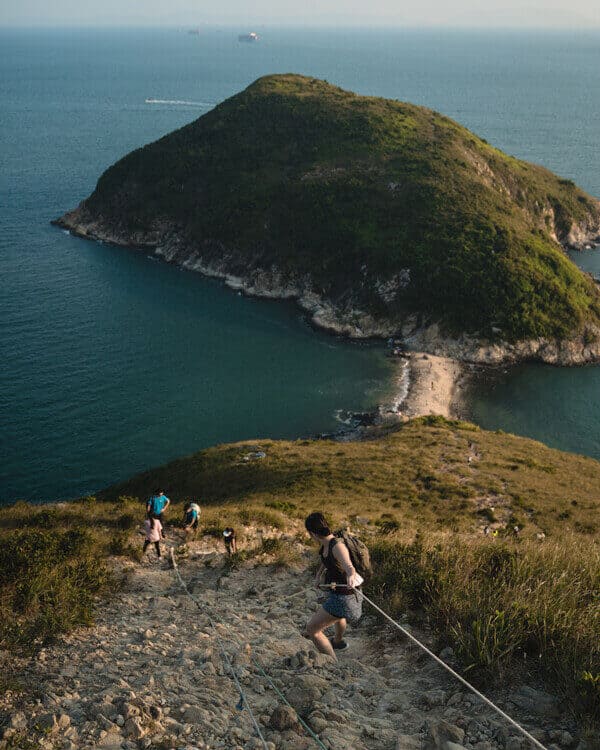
180, 102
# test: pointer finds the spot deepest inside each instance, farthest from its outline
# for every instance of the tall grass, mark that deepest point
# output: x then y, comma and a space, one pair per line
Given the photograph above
501, 604
50, 581
54, 565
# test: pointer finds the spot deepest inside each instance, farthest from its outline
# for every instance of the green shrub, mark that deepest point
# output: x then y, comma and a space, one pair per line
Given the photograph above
387, 524
258, 517
488, 514
272, 545
283, 505
127, 521
213, 529
50, 579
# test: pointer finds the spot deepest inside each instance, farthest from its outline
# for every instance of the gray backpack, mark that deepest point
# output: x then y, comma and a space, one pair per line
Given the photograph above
359, 554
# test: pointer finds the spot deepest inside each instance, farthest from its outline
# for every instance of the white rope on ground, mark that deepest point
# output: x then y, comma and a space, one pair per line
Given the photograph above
256, 664
224, 656
418, 643
405, 632
409, 635
274, 687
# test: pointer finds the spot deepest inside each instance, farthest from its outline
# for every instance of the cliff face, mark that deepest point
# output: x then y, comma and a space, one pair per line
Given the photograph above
380, 217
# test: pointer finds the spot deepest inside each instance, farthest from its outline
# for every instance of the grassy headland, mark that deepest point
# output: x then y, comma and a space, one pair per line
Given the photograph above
421, 497
372, 204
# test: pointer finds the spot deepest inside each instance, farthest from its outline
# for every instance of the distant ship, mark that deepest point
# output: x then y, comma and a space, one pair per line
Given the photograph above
195, 32
251, 37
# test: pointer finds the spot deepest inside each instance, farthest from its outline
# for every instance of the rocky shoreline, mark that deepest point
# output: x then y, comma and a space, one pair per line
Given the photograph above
428, 386
437, 372
213, 260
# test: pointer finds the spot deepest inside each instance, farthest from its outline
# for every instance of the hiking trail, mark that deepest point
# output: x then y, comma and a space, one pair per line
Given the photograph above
149, 674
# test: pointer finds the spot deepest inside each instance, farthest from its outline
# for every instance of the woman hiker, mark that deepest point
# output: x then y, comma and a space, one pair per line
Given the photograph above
153, 534
343, 602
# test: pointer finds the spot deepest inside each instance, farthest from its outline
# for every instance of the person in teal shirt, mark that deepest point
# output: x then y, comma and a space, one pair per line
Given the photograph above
156, 506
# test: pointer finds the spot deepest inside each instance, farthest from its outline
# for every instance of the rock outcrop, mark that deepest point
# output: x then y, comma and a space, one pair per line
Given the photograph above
169, 245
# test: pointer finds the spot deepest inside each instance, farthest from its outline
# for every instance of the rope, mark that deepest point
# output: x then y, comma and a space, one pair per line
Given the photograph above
284, 699
409, 635
256, 664
399, 627
418, 643
224, 656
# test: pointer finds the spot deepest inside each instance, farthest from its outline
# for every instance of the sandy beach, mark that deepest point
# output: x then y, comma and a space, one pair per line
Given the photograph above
435, 386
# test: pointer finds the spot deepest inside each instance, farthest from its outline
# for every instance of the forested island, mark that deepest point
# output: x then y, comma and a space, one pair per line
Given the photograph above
380, 217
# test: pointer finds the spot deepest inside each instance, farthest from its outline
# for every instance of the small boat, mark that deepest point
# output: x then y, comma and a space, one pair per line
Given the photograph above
251, 37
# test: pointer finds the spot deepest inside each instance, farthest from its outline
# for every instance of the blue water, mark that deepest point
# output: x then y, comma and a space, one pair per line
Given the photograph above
112, 362
558, 405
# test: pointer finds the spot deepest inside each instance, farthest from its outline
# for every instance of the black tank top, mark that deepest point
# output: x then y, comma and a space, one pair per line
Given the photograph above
334, 572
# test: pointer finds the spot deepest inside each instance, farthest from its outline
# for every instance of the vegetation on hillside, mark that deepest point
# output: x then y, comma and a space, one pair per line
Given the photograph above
420, 496
54, 565
353, 191
430, 474
505, 608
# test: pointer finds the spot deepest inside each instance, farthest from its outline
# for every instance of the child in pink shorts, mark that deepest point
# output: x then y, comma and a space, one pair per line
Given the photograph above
153, 534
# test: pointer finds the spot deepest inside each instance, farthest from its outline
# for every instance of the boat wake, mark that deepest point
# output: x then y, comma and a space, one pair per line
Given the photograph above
179, 102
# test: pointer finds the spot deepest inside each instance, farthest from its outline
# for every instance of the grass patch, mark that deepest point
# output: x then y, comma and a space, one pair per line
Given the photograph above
500, 605
283, 505
258, 517
500, 602
54, 565
408, 469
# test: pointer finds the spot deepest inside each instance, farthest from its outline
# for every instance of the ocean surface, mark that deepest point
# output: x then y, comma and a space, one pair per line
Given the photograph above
112, 362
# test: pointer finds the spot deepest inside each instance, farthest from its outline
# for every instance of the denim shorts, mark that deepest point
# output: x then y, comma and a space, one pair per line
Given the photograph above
347, 606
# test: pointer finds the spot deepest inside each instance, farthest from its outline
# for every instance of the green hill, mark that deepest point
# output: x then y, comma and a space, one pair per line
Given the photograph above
372, 204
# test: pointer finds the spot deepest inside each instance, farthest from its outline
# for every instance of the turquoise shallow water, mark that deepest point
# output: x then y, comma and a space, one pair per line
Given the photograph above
112, 362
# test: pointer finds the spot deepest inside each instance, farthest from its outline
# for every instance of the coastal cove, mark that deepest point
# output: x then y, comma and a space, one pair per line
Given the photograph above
177, 362
90, 397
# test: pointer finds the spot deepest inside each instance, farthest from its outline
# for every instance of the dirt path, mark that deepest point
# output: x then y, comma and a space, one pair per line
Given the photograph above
149, 674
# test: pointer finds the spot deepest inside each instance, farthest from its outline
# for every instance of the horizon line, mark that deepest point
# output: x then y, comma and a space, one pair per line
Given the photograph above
382, 26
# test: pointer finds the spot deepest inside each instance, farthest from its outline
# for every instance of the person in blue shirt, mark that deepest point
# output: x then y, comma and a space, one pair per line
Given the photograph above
156, 506
190, 521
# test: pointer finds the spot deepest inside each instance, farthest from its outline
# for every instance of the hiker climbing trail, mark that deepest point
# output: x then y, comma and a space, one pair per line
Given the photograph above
150, 674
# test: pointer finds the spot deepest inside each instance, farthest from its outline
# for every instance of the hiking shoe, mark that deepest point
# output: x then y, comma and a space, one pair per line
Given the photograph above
338, 645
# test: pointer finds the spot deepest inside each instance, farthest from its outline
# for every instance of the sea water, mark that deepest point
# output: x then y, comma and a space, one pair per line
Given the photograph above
112, 362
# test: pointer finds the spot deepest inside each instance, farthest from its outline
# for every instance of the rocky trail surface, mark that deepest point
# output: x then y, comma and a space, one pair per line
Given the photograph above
149, 674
